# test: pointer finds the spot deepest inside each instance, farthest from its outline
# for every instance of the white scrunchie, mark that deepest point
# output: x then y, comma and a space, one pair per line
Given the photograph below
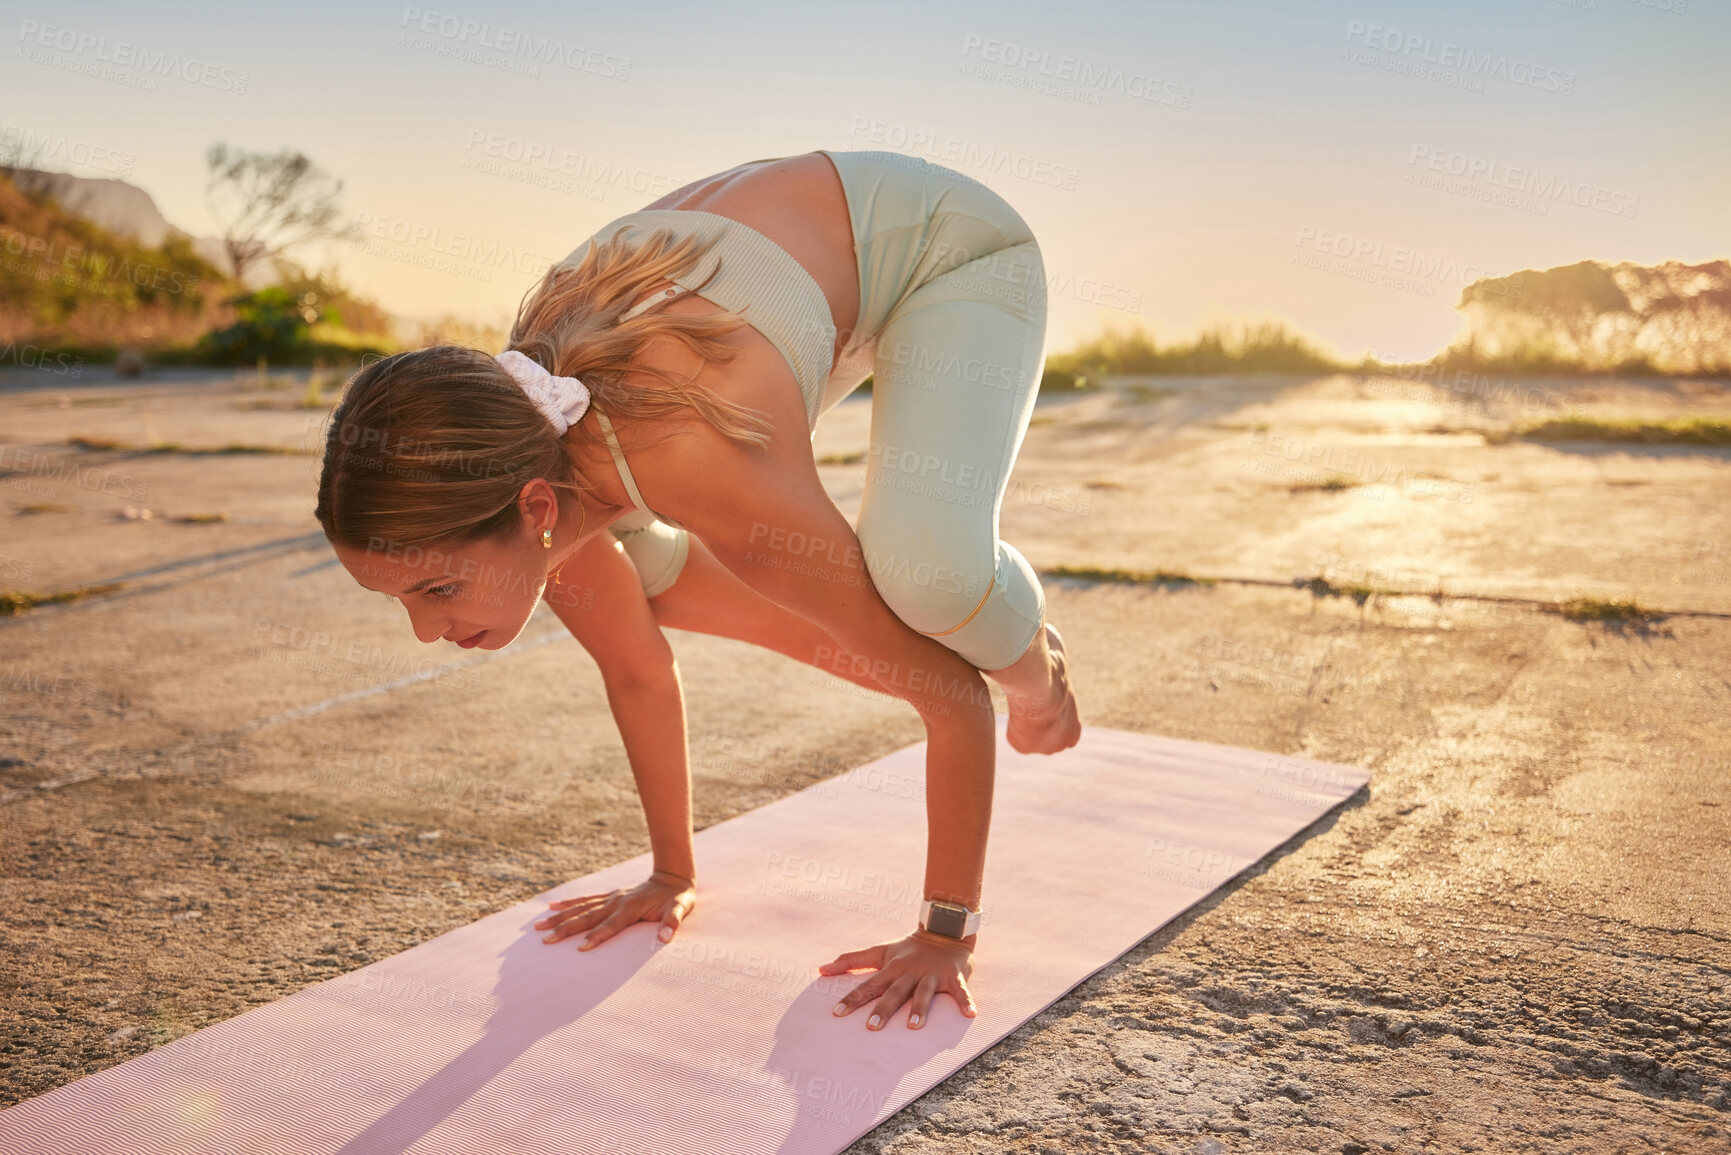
562, 400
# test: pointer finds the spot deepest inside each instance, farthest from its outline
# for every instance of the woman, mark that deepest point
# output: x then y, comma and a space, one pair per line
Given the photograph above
701, 336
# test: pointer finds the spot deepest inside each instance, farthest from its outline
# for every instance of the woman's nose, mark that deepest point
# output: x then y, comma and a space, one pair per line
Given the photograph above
429, 625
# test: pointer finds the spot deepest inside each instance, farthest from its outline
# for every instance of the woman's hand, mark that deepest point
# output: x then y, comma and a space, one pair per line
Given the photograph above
666, 898
922, 965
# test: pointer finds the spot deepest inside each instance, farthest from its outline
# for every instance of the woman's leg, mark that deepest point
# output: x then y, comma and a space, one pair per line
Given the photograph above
708, 598
956, 374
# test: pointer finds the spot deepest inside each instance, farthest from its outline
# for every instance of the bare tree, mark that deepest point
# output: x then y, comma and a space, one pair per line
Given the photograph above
269, 203
20, 153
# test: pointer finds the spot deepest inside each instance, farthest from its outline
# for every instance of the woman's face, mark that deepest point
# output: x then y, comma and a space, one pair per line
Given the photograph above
477, 595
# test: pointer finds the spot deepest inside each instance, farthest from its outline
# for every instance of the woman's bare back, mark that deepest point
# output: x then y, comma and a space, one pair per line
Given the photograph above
797, 202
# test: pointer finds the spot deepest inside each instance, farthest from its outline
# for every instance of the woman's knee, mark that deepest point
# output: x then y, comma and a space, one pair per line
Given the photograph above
929, 585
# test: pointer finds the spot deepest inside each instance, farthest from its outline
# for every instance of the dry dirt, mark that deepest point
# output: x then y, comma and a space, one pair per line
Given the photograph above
1514, 940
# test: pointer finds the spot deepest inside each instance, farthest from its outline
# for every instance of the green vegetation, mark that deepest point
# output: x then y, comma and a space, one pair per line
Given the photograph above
1321, 587
1335, 484
841, 458
73, 287
1158, 577
1054, 380
70, 285
1243, 347
307, 319
1679, 431
1601, 610
14, 602
109, 444
1141, 393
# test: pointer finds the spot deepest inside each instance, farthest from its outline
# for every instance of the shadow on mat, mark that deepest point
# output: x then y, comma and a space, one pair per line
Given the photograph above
529, 1008
827, 1110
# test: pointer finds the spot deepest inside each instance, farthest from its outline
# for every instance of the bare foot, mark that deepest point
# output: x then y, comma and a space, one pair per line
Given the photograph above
1043, 717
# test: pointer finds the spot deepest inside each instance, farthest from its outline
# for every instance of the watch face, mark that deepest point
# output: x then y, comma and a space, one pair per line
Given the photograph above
947, 920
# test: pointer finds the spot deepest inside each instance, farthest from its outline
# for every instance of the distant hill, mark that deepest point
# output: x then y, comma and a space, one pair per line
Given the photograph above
1666, 318
124, 210
68, 282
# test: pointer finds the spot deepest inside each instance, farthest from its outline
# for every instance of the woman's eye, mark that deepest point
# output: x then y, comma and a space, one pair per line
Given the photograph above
443, 591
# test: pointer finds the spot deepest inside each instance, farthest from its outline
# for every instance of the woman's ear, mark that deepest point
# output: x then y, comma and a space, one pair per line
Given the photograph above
538, 502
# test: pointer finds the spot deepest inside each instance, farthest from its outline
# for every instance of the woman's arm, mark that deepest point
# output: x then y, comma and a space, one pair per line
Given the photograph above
765, 515
601, 602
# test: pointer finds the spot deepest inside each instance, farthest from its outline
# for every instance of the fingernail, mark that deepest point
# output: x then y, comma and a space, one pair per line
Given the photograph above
666, 933
876, 1022
840, 1009
913, 1020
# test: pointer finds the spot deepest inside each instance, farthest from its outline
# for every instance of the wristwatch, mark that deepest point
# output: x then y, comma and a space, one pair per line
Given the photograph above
948, 919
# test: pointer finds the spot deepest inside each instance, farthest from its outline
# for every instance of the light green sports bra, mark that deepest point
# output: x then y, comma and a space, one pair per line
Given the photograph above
757, 278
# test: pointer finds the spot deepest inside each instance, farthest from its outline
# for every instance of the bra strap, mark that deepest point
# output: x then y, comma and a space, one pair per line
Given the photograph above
619, 461
662, 297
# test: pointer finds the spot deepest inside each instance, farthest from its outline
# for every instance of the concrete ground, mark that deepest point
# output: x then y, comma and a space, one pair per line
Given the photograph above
1516, 939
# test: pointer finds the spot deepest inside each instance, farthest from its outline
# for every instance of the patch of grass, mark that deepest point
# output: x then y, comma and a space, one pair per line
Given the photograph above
1241, 346
1321, 587
1055, 380
1679, 431
13, 602
200, 518
1140, 393
842, 458
1158, 577
1605, 610
1335, 484
1103, 483
48, 507
107, 443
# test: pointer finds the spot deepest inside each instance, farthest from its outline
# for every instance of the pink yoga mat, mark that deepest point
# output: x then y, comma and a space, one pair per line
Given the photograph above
484, 1040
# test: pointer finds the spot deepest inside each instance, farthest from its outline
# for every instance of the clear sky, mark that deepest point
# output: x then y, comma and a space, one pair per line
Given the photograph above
1346, 165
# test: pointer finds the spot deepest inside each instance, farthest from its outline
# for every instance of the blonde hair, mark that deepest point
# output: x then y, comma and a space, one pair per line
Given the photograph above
433, 446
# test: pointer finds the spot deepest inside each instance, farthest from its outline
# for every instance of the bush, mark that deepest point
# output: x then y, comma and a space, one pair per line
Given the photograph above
271, 323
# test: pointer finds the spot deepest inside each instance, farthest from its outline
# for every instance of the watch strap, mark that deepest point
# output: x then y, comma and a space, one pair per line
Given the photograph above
948, 919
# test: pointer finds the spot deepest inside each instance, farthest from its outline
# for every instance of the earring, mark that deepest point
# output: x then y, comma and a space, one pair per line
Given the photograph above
584, 522
546, 539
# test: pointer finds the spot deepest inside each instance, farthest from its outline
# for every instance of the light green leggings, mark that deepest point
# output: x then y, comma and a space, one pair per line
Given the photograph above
953, 317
